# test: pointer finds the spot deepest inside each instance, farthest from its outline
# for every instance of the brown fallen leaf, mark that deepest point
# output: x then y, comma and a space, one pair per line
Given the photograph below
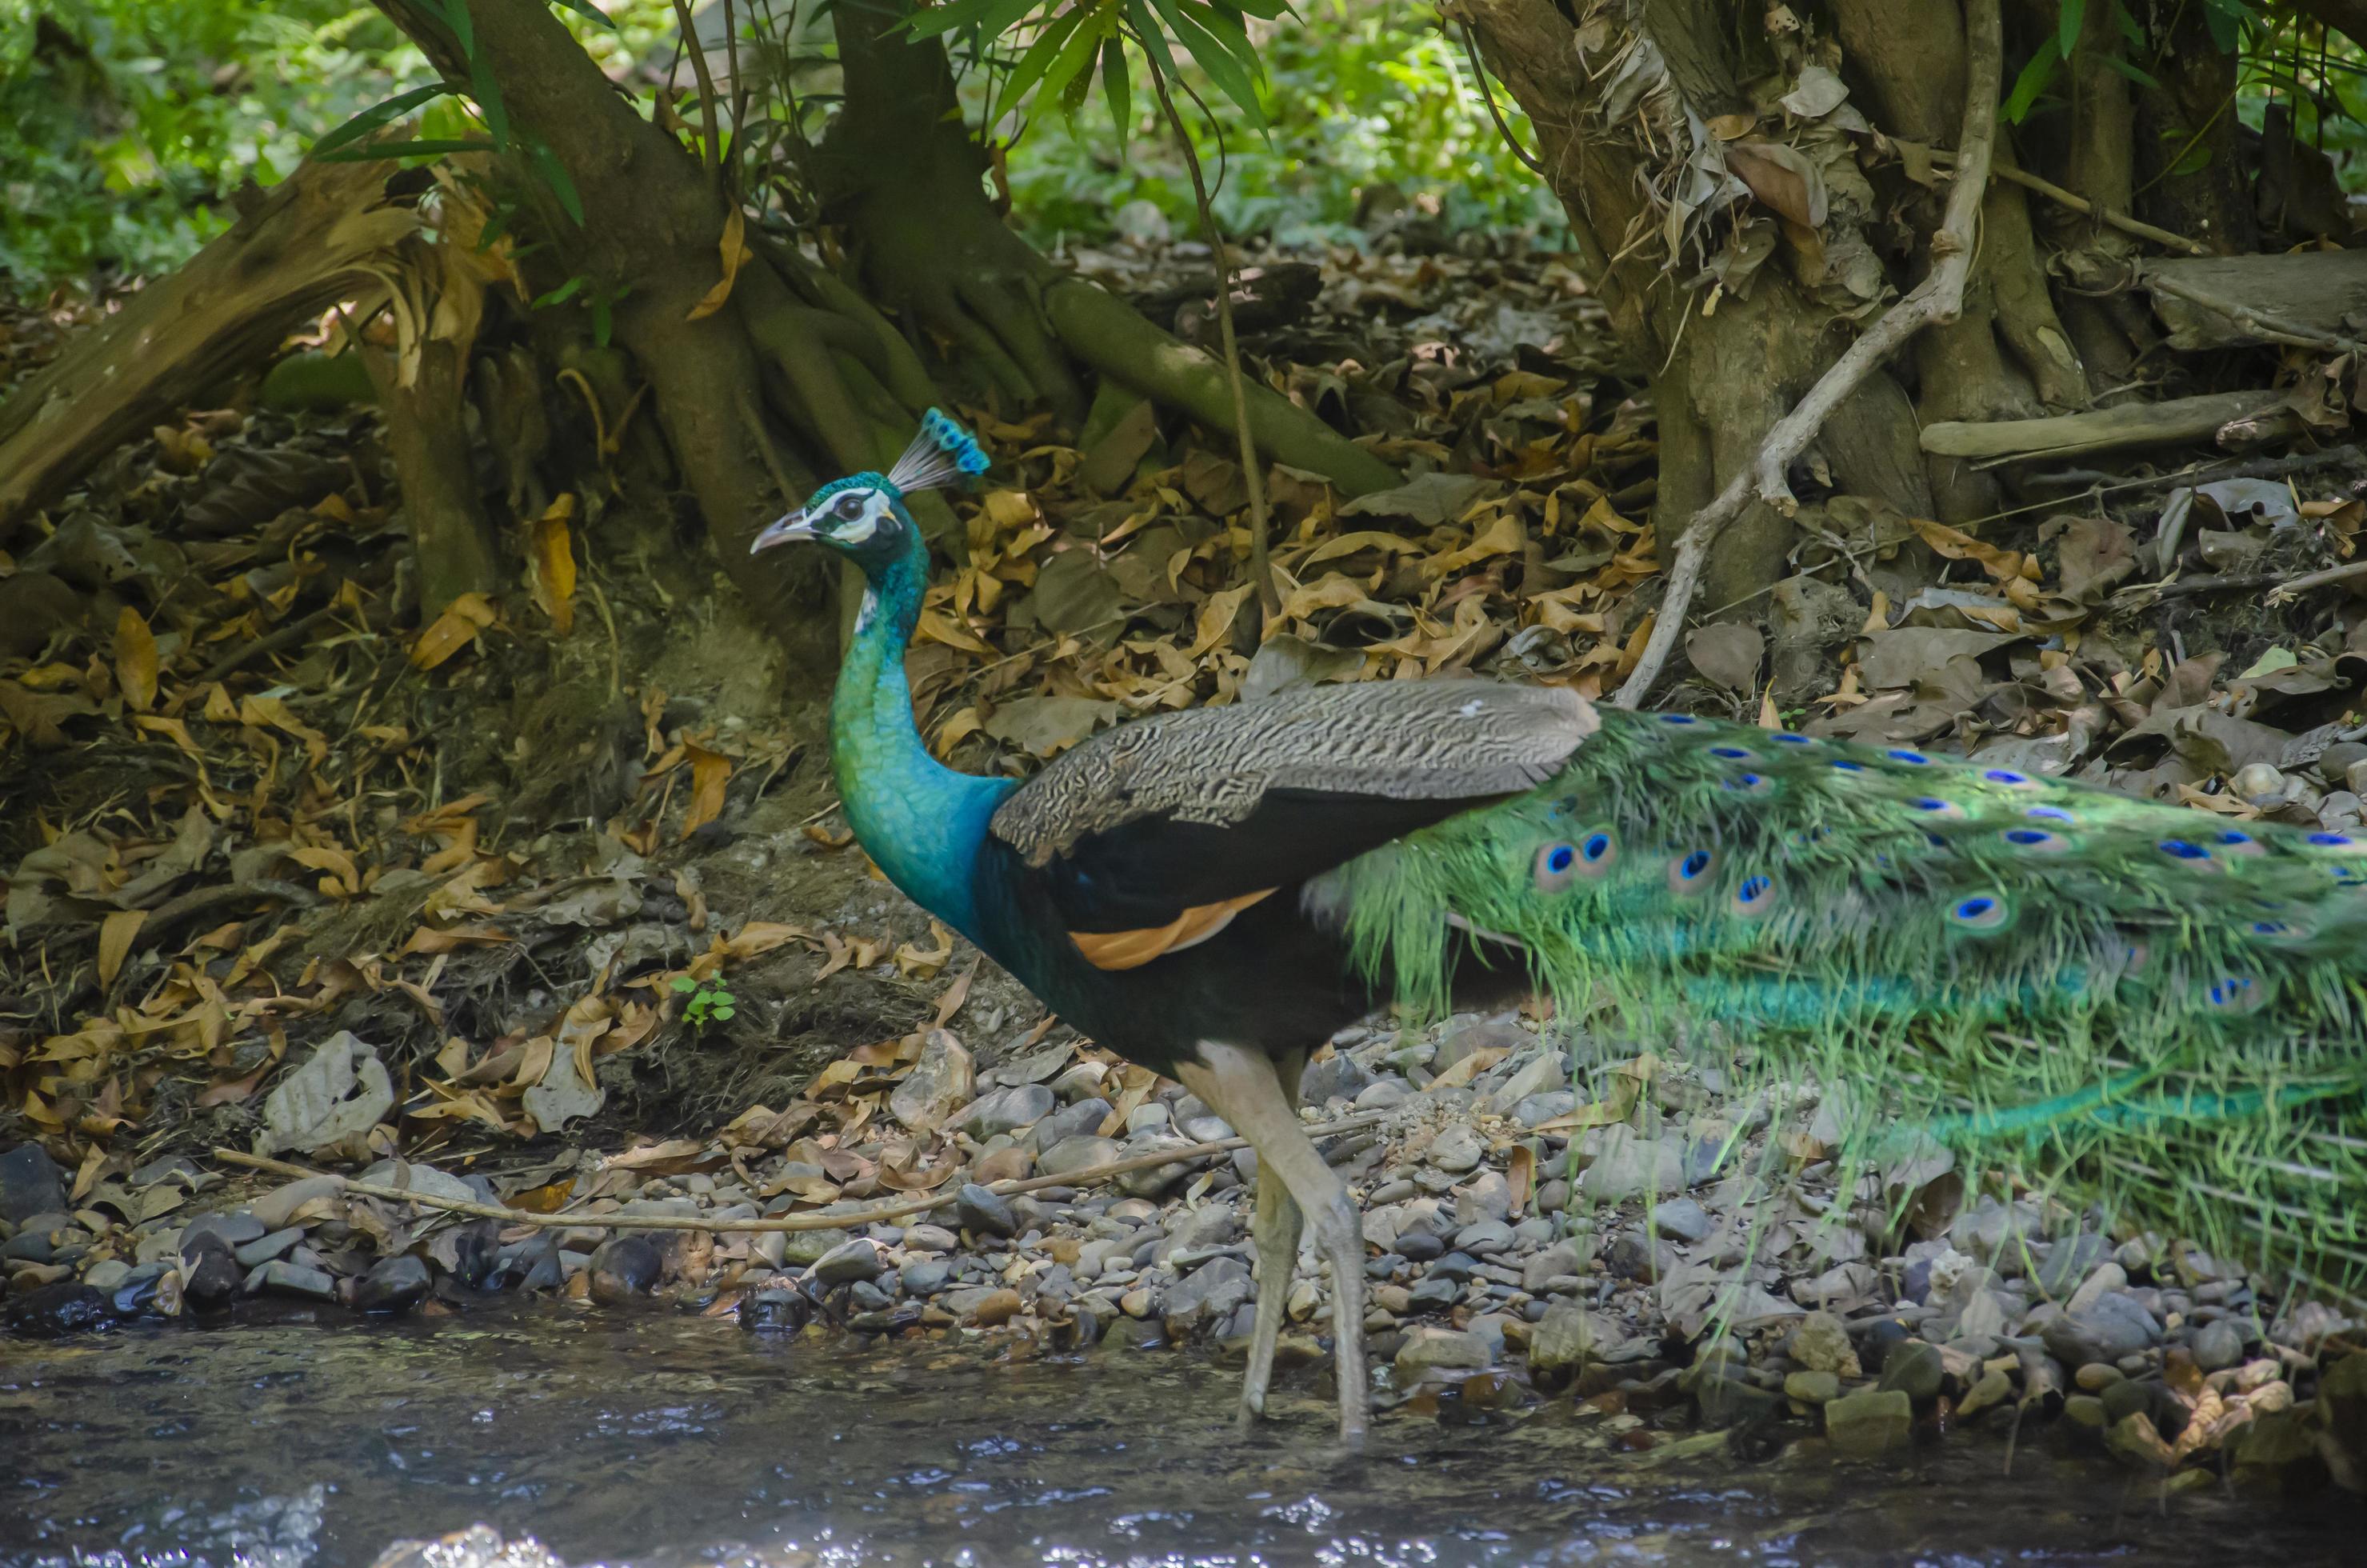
709, 772
135, 659
552, 554
735, 251
115, 937
454, 629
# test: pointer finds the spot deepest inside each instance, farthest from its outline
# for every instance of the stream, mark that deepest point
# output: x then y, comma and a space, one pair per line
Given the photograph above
658, 1439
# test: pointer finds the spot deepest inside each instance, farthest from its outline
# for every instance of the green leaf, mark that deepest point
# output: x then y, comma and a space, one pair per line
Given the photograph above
2194, 161
1068, 70
2067, 25
1113, 86
1215, 57
590, 12
488, 94
561, 187
464, 30
560, 295
378, 114
2128, 68
1038, 58
994, 18
2032, 81
406, 150
681, 981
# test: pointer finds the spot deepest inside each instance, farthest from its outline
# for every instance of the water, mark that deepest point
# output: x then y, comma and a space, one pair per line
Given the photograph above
659, 1440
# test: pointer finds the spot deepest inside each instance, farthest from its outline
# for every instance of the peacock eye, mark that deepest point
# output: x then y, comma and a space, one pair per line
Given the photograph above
850, 507
1556, 864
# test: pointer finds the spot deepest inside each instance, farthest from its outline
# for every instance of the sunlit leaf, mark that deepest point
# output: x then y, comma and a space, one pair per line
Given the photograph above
378, 114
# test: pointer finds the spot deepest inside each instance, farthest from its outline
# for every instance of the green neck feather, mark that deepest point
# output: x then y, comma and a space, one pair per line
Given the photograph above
921, 822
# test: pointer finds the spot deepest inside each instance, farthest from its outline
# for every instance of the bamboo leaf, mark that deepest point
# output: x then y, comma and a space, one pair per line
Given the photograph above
555, 175
1039, 57
406, 150
1113, 86
2129, 69
2073, 16
377, 115
488, 94
590, 12
464, 29
993, 17
2032, 81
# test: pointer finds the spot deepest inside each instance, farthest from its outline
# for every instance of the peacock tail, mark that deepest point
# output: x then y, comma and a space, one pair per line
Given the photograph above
2114, 1001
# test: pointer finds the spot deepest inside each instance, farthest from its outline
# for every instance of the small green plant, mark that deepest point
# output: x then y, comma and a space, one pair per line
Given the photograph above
709, 1001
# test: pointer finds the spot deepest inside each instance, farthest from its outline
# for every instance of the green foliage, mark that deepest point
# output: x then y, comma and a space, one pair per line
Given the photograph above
709, 1001
125, 125
1358, 102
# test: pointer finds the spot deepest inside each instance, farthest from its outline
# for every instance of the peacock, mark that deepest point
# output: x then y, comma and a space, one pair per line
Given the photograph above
2143, 1006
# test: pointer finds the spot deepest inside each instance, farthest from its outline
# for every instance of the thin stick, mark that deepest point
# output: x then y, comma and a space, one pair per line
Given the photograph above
1939, 298
712, 148
2079, 203
2258, 323
1488, 95
1269, 597
918, 1205
2308, 580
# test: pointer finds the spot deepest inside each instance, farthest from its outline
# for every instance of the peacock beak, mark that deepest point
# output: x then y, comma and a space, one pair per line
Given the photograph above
790, 529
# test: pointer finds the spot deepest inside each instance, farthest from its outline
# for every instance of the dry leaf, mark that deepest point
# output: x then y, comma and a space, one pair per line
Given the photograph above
115, 937
553, 558
709, 771
135, 659
736, 254
453, 630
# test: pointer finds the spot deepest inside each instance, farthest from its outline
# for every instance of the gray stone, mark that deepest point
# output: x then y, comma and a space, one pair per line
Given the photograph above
393, 1286
2105, 1279
107, 1274
624, 1267
1538, 1109
1383, 1093
1457, 1148
941, 1078
1563, 1258
2113, 1327
2218, 1345
925, 1276
983, 1212
1568, 1337
1207, 1294
415, 1177
1150, 1117
2071, 1261
1541, 1072
1487, 1196
803, 1249
1079, 1153
1341, 1077
1428, 1348
1629, 1166
930, 1238
1484, 1238
1083, 1118
858, 1259
1006, 1110
1812, 1388
1154, 1181
263, 1249
1916, 1370
1870, 1422
292, 1280
1681, 1219
30, 1184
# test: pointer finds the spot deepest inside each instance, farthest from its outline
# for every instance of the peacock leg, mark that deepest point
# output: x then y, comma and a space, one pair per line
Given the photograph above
1275, 1232
1244, 1088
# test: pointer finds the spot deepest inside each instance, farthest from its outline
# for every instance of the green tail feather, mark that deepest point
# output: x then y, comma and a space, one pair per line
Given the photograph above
2122, 1001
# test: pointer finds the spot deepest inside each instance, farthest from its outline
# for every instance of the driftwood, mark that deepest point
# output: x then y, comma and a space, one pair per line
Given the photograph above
295, 251
2127, 424
2316, 298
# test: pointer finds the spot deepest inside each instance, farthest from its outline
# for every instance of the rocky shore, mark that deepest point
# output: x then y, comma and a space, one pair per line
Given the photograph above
1523, 1248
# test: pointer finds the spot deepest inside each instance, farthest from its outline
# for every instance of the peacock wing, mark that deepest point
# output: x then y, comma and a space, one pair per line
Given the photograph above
1181, 811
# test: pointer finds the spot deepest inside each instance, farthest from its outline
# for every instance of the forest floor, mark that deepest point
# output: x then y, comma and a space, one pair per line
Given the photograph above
544, 902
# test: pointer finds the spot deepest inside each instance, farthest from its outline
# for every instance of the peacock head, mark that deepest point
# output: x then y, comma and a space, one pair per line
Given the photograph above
863, 517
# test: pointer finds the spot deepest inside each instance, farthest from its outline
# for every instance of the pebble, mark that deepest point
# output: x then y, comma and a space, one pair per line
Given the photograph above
393, 1286
274, 1209
292, 1280
1821, 1344
1630, 1165
2218, 1345
1812, 1388
1077, 1154
1870, 1422
263, 1249
1914, 1369
624, 1267
209, 1274
774, 1311
984, 1213
1082, 1118
1484, 1237
30, 1184
1013, 1162
1430, 1347
1005, 1110
1681, 1219
858, 1259
107, 1274
1457, 1148
236, 1230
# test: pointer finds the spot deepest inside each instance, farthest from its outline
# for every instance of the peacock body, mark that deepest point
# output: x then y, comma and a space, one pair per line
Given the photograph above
2116, 1000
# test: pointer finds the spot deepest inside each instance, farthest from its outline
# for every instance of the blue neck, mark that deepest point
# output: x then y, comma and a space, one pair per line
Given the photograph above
921, 822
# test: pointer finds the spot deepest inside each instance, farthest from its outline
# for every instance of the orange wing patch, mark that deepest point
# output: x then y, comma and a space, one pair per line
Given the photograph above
1132, 949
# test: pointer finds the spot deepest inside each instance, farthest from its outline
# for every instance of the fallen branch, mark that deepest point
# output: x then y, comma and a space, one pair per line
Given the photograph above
817, 1222
2269, 326
2296, 587
2081, 204
293, 254
2125, 425
1939, 298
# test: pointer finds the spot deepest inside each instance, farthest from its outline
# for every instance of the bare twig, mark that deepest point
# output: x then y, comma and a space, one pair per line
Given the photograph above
1939, 298
2079, 203
2258, 323
919, 1204
1269, 597
2294, 587
1488, 95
